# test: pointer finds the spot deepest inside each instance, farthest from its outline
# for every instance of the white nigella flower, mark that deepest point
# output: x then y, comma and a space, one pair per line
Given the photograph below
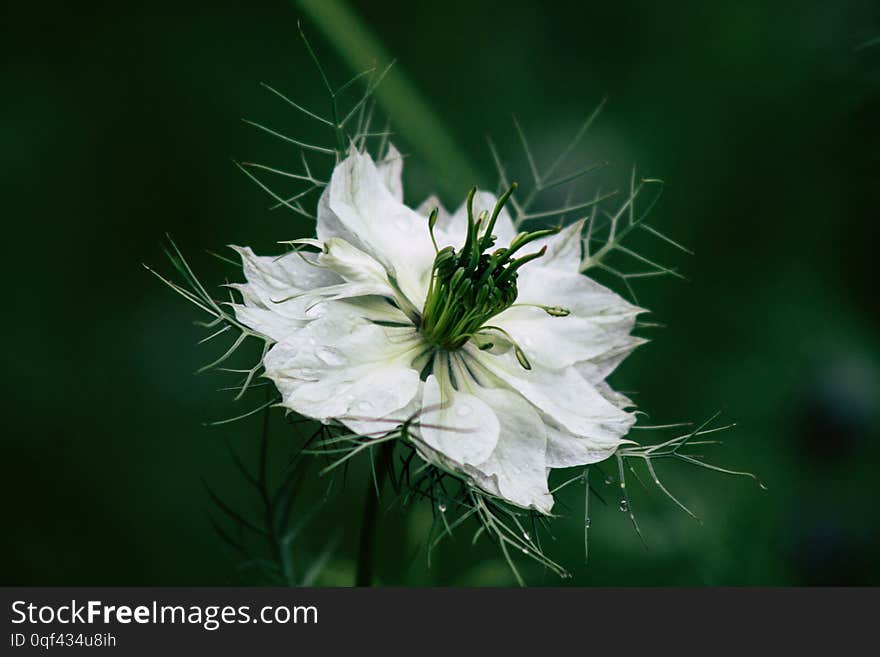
494, 338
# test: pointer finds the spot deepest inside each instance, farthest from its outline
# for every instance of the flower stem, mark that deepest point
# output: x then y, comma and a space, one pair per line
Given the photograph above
414, 114
364, 573
278, 553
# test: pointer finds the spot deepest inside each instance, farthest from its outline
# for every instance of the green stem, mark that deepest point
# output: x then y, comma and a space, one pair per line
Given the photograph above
364, 573
268, 504
414, 116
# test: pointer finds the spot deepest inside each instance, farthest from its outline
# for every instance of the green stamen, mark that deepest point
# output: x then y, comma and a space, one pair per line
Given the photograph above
517, 350
432, 221
470, 286
487, 238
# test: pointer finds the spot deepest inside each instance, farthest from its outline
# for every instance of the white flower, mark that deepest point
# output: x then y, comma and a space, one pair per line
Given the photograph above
503, 350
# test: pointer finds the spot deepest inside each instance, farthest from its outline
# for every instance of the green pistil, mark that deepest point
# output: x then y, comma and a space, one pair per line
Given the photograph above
470, 286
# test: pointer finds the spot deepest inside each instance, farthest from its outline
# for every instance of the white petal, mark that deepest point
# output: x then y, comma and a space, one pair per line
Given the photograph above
268, 323
358, 207
282, 272
342, 366
273, 282
618, 399
272, 306
564, 449
377, 310
275, 307
556, 342
597, 369
391, 171
576, 292
562, 395
355, 266
459, 425
555, 279
517, 467
598, 327
564, 249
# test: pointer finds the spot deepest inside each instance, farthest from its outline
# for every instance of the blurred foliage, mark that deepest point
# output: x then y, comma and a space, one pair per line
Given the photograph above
119, 123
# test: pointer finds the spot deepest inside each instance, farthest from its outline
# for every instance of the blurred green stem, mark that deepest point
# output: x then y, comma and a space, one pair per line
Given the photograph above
412, 115
364, 573
278, 552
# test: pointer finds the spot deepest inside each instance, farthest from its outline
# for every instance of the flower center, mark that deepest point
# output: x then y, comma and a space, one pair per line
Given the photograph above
470, 286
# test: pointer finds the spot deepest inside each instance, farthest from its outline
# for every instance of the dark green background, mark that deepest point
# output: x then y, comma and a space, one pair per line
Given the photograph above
118, 124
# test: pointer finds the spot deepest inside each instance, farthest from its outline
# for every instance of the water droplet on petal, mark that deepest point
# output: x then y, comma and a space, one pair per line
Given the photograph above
330, 356
364, 405
624, 506
609, 480
526, 536
525, 550
463, 410
306, 373
441, 507
586, 523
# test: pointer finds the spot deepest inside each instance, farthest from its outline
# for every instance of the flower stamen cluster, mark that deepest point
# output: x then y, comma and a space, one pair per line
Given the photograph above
470, 286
